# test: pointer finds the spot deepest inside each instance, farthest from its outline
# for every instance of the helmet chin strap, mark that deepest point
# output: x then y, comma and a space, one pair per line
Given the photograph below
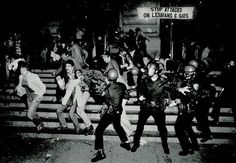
190, 76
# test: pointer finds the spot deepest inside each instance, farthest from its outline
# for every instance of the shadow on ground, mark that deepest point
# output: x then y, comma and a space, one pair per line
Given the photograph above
28, 150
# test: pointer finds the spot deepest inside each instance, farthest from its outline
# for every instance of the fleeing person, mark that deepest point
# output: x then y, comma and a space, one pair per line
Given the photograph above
31, 85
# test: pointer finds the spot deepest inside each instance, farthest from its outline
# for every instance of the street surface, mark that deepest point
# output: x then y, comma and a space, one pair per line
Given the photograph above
27, 150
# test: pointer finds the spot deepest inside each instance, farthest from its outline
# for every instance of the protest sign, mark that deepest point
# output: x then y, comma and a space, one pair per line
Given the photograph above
165, 12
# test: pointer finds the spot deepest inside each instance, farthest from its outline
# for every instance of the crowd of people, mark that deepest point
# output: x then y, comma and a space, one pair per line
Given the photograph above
127, 67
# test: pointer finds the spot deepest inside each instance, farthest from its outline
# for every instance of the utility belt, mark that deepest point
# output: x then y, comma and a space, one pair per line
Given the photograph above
153, 104
109, 110
191, 107
187, 108
112, 110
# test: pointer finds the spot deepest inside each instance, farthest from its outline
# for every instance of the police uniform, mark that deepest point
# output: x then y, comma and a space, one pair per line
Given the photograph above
155, 93
206, 94
114, 94
227, 82
186, 113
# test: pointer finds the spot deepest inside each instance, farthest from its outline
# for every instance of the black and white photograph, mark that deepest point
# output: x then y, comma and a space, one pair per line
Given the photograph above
117, 81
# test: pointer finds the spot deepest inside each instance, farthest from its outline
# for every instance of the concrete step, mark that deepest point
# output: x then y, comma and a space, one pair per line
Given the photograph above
48, 80
11, 91
45, 75
86, 139
27, 129
149, 130
48, 86
48, 99
225, 123
92, 105
50, 106
49, 91
39, 71
13, 117
95, 108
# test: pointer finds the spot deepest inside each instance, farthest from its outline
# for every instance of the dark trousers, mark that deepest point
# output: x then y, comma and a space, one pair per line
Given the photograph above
104, 122
160, 119
202, 117
184, 131
130, 78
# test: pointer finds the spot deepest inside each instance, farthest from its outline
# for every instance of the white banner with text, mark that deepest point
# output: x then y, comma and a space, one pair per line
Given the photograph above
165, 12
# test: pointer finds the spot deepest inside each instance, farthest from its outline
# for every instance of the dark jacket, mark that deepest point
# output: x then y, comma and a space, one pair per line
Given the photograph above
115, 92
155, 91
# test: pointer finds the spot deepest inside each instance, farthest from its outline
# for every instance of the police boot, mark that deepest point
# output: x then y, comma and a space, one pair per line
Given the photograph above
100, 155
135, 147
206, 138
125, 145
186, 152
166, 148
89, 130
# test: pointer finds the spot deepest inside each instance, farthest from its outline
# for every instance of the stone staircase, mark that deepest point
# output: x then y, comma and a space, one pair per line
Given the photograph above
13, 118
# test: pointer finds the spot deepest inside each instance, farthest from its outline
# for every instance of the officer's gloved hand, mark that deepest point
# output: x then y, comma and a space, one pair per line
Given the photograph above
142, 98
184, 90
103, 110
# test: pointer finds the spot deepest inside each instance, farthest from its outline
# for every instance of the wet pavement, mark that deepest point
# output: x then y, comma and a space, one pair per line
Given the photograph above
28, 150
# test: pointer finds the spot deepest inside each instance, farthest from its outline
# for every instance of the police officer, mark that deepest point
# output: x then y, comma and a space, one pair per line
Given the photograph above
188, 94
152, 96
227, 83
204, 102
114, 93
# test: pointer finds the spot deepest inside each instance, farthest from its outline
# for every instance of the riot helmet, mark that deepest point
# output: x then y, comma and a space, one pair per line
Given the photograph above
231, 63
194, 63
189, 72
112, 74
